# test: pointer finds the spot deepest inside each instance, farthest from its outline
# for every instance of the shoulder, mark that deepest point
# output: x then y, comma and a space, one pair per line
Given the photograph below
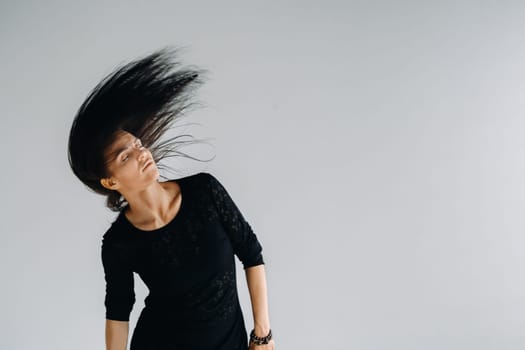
200, 179
116, 233
203, 176
118, 243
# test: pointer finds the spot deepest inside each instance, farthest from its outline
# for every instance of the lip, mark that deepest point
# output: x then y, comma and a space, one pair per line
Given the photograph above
148, 163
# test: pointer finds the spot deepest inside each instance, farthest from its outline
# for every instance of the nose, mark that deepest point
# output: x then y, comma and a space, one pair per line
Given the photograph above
143, 152
141, 156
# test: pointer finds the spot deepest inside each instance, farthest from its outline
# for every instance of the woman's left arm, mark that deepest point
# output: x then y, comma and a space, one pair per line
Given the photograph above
256, 279
248, 249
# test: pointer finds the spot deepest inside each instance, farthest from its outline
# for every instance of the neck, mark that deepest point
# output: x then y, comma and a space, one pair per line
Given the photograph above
150, 204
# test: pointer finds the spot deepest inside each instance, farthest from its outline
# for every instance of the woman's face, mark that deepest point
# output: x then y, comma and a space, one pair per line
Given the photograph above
130, 165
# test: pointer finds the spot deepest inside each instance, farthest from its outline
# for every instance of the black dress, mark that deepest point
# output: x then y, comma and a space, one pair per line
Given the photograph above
189, 268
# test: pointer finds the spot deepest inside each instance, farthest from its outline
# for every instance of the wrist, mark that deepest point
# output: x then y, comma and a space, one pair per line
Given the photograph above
261, 330
260, 340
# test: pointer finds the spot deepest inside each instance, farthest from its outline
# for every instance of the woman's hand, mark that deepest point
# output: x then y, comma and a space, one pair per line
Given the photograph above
269, 346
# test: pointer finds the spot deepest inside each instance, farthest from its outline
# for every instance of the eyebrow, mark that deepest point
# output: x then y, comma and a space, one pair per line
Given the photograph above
115, 154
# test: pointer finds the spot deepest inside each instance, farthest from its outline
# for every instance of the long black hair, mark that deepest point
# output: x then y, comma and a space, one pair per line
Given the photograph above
144, 97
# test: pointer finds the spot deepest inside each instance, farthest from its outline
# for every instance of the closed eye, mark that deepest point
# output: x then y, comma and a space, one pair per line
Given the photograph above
136, 143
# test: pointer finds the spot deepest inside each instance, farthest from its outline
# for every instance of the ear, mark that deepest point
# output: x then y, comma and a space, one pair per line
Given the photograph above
109, 183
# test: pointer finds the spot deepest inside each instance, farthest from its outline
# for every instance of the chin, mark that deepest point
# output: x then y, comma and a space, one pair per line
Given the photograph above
151, 173
154, 174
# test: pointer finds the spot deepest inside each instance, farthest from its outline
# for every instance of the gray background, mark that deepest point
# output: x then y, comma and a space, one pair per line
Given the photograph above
376, 147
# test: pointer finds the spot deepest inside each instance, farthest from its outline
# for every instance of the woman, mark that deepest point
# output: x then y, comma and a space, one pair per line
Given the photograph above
180, 235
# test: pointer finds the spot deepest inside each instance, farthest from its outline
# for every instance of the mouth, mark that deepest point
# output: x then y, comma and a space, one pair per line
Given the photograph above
148, 163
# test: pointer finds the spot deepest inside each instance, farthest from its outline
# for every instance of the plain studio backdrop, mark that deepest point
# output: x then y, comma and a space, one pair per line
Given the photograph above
376, 148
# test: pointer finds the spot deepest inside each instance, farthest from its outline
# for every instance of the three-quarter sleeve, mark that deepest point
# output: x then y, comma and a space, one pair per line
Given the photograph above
120, 291
244, 241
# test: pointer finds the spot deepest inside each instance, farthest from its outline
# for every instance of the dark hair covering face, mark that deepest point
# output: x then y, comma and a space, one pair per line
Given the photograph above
144, 97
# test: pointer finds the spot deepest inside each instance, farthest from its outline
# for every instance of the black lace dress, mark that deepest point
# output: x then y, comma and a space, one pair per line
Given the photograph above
189, 268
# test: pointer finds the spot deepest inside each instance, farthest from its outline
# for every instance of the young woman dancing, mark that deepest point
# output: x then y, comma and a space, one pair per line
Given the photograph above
181, 235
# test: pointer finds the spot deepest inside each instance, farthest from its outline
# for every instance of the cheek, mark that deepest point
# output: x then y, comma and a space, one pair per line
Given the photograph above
124, 170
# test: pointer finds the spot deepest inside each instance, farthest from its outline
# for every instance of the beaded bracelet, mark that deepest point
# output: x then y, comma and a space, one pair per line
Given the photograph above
260, 340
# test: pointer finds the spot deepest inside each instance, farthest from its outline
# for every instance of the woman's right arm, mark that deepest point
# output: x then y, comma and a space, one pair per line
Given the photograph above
116, 335
120, 295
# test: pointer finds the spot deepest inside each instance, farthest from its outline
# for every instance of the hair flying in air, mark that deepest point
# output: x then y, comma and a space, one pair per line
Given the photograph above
145, 97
